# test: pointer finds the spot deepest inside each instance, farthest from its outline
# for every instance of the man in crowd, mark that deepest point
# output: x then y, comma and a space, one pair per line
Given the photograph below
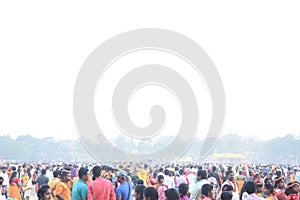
124, 190
80, 189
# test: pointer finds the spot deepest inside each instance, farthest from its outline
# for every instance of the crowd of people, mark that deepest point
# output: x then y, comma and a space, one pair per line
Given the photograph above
131, 181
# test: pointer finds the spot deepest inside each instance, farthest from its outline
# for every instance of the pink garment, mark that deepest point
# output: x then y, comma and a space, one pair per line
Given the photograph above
101, 189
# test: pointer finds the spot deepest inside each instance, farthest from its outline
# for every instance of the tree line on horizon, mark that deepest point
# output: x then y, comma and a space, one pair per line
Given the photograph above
26, 148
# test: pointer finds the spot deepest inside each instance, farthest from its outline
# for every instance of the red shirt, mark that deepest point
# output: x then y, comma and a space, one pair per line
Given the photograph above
101, 189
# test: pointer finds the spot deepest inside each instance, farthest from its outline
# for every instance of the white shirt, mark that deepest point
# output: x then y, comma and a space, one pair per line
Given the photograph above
5, 177
169, 181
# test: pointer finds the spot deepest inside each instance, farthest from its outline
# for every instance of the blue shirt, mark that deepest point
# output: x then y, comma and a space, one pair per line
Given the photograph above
124, 190
79, 190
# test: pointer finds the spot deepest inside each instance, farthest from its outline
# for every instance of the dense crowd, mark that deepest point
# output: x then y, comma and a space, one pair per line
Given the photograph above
123, 181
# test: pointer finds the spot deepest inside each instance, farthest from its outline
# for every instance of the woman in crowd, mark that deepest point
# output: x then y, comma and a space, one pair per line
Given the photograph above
207, 192
44, 193
14, 186
184, 191
161, 188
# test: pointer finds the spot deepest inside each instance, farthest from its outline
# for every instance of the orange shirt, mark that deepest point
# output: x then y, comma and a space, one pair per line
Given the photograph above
62, 189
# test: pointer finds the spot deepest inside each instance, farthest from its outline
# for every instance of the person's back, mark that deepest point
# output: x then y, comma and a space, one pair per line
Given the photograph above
100, 189
43, 179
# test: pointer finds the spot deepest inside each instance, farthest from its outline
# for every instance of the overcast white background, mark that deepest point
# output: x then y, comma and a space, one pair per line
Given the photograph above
255, 46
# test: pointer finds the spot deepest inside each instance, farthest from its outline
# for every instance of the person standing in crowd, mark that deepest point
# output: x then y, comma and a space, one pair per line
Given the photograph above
184, 191
202, 179
250, 188
150, 193
2, 190
100, 188
143, 173
31, 189
80, 189
230, 181
5, 180
55, 180
62, 190
124, 190
279, 188
179, 178
161, 188
14, 186
240, 181
268, 190
292, 190
168, 180
138, 192
44, 193
43, 179
207, 192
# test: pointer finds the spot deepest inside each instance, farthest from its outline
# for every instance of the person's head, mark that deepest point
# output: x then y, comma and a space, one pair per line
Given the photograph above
83, 174
262, 175
150, 193
183, 189
121, 176
292, 188
225, 195
268, 189
279, 183
171, 194
167, 172
250, 187
96, 171
160, 179
227, 188
44, 171
201, 174
65, 176
240, 173
207, 189
138, 192
230, 175
56, 174
44, 192
214, 168
139, 182
268, 181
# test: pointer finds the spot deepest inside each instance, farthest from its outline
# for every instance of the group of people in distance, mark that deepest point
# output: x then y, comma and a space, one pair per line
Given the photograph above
139, 181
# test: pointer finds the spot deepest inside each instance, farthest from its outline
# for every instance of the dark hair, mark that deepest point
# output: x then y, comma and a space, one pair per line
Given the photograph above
55, 173
159, 178
139, 189
206, 188
139, 182
183, 189
227, 187
167, 172
13, 175
202, 174
42, 190
96, 171
82, 171
266, 180
250, 187
269, 187
150, 192
289, 190
172, 194
225, 195
214, 168
44, 171
64, 174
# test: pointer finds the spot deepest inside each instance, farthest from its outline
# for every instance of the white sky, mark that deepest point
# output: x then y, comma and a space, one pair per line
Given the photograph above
255, 46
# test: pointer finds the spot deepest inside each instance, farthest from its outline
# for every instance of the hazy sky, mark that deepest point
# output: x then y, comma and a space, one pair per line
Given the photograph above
255, 46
